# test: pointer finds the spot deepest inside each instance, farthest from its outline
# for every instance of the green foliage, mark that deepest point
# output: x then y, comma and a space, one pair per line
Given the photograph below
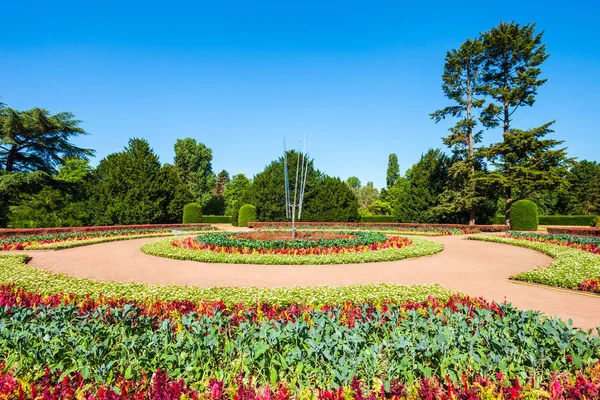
333, 201
193, 161
597, 222
584, 188
267, 191
354, 183
222, 180
414, 196
572, 220
131, 187
378, 218
393, 171
34, 140
233, 191
61, 202
247, 214
215, 206
524, 216
569, 268
499, 220
418, 248
378, 207
192, 213
216, 219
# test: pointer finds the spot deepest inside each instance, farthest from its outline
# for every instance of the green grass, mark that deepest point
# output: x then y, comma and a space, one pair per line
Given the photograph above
569, 268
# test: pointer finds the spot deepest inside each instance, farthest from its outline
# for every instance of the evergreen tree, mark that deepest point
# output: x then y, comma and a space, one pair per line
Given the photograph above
333, 201
584, 188
393, 170
510, 78
234, 191
222, 180
461, 83
193, 161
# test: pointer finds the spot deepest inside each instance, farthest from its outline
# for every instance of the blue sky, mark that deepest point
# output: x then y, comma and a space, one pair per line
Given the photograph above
360, 77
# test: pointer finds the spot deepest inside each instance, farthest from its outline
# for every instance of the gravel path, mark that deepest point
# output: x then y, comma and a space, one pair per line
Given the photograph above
473, 267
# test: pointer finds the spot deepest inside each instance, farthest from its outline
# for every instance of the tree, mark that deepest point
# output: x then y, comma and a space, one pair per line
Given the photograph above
584, 188
526, 163
34, 140
354, 183
333, 201
61, 202
510, 78
233, 191
366, 196
461, 83
414, 196
222, 180
193, 160
268, 189
133, 188
393, 170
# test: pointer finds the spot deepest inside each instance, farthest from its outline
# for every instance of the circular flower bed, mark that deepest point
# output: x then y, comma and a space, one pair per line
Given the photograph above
282, 242
279, 248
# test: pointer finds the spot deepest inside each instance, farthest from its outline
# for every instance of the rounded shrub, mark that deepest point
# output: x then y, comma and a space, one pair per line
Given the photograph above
524, 216
247, 214
192, 213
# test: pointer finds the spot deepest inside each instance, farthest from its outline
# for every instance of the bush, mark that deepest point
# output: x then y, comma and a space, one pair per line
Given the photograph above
597, 222
524, 216
247, 214
574, 220
499, 220
192, 213
378, 218
214, 206
216, 219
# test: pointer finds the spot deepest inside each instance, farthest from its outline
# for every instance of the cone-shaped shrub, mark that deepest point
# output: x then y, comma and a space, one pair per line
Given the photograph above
247, 214
192, 213
524, 216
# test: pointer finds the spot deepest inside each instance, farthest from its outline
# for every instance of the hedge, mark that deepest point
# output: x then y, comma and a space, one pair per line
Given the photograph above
216, 219
574, 220
247, 214
399, 225
192, 213
575, 231
556, 220
378, 218
524, 216
5, 233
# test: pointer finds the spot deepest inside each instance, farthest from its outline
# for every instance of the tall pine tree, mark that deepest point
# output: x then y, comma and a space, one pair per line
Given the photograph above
393, 170
461, 83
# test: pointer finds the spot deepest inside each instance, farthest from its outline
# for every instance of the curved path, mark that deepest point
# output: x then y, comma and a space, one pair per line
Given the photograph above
473, 267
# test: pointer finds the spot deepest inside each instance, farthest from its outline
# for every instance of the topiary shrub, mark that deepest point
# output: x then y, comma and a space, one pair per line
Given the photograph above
597, 222
524, 216
192, 213
247, 214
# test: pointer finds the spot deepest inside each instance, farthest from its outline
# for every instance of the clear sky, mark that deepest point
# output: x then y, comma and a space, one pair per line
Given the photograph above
361, 77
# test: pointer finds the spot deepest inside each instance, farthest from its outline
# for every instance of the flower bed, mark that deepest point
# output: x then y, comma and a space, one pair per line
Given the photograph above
589, 244
377, 226
458, 347
575, 231
570, 269
66, 240
390, 230
4, 233
391, 248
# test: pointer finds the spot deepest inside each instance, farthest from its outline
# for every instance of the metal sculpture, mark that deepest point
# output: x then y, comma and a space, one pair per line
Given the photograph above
295, 203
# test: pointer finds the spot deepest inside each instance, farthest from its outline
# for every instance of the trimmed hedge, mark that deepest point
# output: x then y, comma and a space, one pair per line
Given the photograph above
378, 218
574, 220
575, 231
192, 213
524, 216
399, 225
557, 220
247, 214
216, 219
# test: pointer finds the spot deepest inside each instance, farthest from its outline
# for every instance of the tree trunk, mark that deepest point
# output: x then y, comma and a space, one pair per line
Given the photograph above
10, 159
472, 216
473, 210
508, 206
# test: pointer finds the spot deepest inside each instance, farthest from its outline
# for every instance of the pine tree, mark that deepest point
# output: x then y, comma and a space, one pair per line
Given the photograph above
222, 180
461, 83
513, 55
393, 170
